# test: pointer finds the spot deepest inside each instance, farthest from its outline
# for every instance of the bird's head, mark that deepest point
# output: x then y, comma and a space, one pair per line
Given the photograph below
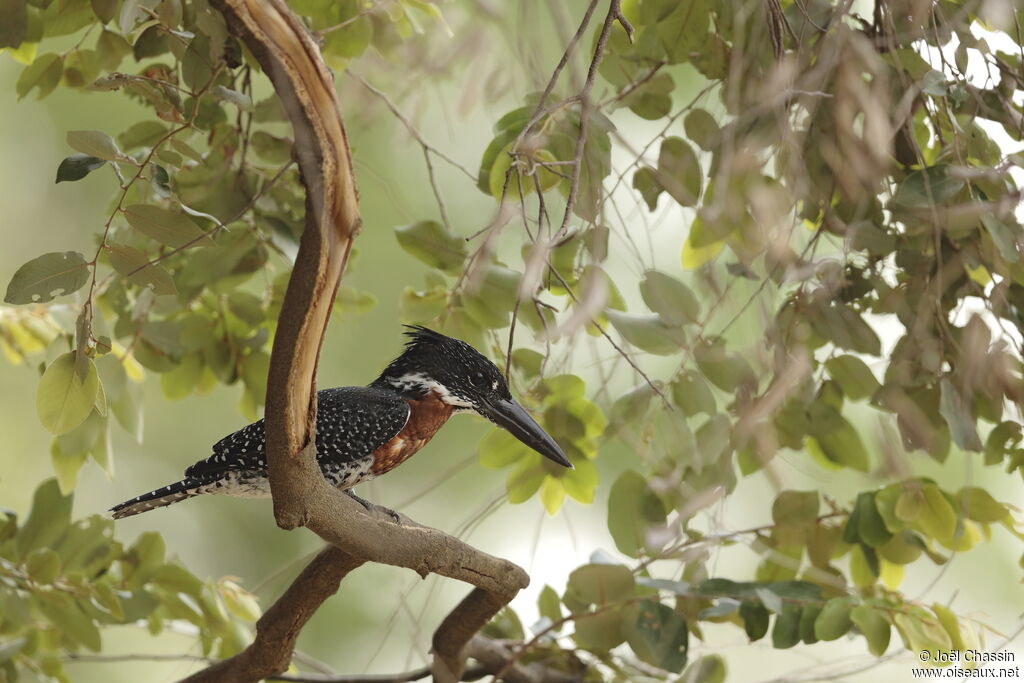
462, 377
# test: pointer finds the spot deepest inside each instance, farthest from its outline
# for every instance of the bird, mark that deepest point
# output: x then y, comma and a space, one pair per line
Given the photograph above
363, 432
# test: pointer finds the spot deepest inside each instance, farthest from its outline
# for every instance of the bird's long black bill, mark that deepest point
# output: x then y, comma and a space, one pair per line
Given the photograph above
510, 415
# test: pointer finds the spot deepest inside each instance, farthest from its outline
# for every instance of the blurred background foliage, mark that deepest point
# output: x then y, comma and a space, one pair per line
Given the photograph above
768, 301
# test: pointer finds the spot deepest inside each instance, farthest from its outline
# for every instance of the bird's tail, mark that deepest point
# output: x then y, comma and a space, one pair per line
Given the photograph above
168, 495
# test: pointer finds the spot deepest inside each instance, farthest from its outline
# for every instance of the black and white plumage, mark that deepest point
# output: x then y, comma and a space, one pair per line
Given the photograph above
362, 432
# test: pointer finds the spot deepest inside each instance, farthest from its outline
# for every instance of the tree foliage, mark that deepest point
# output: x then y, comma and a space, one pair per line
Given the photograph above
844, 196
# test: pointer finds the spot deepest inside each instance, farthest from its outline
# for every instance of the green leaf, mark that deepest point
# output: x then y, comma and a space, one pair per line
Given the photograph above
980, 506
48, 276
956, 410
707, 669
77, 166
646, 181
652, 100
196, 67
73, 622
179, 381
870, 526
500, 449
873, 626
632, 510
166, 227
104, 10
66, 465
834, 620
135, 265
581, 481
683, 29
935, 516
524, 480
834, 440
94, 143
599, 632
493, 299
43, 565
808, 616
600, 584
13, 23
795, 508
43, 75
702, 128
755, 619
847, 330
552, 494
647, 332
853, 375
700, 246
64, 397
786, 632
723, 369
672, 300
549, 605
679, 171
433, 244
659, 636
1003, 236
692, 395
926, 188
143, 134
951, 625
48, 519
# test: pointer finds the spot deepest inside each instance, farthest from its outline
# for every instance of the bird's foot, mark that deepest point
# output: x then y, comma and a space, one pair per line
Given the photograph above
373, 507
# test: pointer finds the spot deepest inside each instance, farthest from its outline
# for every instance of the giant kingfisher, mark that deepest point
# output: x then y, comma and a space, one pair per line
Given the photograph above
363, 432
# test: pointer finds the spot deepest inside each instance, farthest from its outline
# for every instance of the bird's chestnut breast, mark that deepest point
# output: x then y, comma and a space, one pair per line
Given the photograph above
427, 415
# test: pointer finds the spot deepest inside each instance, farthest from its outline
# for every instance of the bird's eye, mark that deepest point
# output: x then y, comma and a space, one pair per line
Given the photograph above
478, 379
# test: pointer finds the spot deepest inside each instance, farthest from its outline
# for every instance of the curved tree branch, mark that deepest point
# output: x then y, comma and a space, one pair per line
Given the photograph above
292, 60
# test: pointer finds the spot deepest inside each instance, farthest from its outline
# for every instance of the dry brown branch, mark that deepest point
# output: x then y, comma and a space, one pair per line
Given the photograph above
277, 630
290, 57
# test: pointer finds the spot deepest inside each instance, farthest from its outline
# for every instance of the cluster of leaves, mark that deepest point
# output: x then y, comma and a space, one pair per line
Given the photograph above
62, 581
799, 595
206, 198
905, 219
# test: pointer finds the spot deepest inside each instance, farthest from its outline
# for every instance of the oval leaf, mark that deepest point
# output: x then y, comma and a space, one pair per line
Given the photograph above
94, 143
432, 243
165, 226
77, 166
64, 397
47, 276
135, 266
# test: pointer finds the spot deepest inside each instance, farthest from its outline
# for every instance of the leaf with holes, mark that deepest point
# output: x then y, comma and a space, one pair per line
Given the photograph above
47, 276
134, 265
658, 636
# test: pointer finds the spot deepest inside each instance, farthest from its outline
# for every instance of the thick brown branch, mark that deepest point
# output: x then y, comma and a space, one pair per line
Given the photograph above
277, 630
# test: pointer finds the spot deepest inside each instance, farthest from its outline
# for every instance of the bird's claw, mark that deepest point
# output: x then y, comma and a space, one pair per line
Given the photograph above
373, 507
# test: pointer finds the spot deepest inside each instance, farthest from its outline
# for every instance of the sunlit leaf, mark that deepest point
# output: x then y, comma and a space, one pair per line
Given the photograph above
65, 397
